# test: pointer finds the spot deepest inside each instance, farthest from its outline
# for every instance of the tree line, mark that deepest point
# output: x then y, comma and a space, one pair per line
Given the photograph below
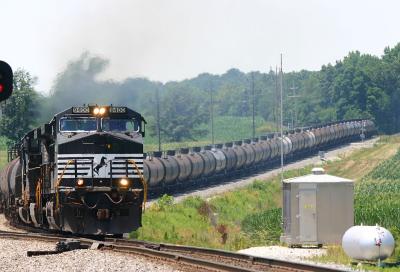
358, 86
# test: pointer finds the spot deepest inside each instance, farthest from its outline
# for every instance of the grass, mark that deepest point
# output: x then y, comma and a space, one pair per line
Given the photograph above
251, 216
214, 223
3, 151
359, 163
334, 254
234, 220
3, 158
226, 129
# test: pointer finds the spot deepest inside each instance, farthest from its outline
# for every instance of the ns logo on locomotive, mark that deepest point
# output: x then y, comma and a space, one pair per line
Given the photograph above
82, 172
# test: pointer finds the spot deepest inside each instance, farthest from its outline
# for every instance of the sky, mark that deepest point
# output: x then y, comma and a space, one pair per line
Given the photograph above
167, 40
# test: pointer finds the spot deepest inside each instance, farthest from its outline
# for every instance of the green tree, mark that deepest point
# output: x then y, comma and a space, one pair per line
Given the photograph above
20, 111
181, 115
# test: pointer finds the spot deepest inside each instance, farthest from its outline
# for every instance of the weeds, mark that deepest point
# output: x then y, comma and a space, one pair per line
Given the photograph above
263, 227
164, 202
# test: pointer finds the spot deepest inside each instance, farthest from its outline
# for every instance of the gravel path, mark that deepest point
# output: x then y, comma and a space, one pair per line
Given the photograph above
292, 254
238, 183
13, 258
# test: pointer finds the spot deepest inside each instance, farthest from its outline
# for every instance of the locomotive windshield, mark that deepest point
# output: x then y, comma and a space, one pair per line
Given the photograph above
120, 125
78, 124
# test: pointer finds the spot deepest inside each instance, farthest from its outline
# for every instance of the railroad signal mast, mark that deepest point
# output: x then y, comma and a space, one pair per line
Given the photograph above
6, 80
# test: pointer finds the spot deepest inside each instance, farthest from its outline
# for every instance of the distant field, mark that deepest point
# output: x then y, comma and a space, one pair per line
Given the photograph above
3, 158
226, 128
3, 152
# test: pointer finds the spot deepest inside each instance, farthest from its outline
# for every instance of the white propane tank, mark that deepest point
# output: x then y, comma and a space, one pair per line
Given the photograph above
368, 243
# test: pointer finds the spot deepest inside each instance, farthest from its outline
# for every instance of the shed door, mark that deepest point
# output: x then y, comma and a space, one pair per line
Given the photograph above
308, 215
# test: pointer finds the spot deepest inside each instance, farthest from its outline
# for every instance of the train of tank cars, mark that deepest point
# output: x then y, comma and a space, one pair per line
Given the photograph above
201, 165
85, 171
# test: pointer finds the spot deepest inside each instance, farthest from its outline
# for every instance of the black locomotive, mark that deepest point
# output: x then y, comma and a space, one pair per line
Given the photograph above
82, 172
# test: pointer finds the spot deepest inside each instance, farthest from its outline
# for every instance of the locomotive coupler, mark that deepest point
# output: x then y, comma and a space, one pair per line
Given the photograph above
103, 214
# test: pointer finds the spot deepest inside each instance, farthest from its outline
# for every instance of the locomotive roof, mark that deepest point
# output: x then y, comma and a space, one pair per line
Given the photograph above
44, 128
72, 111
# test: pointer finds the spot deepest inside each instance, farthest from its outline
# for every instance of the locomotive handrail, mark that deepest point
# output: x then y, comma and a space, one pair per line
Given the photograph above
58, 183
38, 192
144, 183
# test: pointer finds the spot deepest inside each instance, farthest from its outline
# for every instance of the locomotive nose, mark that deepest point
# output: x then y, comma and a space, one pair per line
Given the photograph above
100, 143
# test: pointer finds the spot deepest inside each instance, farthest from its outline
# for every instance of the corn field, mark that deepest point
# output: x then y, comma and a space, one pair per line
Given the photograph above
388, 170
377, 196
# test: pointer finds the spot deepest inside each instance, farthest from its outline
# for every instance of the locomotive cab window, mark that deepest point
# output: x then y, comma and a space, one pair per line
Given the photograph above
83, 124
120, 125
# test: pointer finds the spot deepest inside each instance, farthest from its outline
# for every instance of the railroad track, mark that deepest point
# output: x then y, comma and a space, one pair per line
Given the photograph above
184, 257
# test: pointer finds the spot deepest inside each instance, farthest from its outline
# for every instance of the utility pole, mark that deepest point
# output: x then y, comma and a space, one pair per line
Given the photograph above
281, 85
158, 119
254, 104
276, 107
212, 114
294, 111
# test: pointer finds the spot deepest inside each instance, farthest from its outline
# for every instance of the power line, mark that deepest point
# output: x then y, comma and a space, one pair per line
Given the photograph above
281, 81
212, 114
294, 111
276, 107
254, 104
158, 119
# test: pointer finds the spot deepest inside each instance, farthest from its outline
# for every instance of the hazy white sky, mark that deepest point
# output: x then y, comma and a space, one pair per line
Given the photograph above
176, 39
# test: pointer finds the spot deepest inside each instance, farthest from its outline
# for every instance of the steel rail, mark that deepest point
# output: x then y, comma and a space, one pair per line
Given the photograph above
195, 257
243, 260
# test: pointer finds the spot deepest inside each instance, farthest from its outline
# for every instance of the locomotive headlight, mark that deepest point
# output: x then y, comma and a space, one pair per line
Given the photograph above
102, 111
96, 111
80, 182
123, 182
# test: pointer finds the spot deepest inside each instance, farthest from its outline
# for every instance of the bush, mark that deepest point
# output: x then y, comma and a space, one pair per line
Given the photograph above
164, 202
264, 227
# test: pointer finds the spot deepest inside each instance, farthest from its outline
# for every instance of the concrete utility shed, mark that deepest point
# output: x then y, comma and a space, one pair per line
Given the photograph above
317, 209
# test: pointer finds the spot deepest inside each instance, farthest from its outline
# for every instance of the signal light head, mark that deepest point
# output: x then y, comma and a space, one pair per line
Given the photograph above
102, 111
96, 111
6, 81
80, 182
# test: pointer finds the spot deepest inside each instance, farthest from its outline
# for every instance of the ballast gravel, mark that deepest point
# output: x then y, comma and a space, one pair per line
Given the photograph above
300, 255
284, 253
5, 226
13, 258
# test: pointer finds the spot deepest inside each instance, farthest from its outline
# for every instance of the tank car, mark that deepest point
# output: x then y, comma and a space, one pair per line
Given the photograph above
222, 162
82, 173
